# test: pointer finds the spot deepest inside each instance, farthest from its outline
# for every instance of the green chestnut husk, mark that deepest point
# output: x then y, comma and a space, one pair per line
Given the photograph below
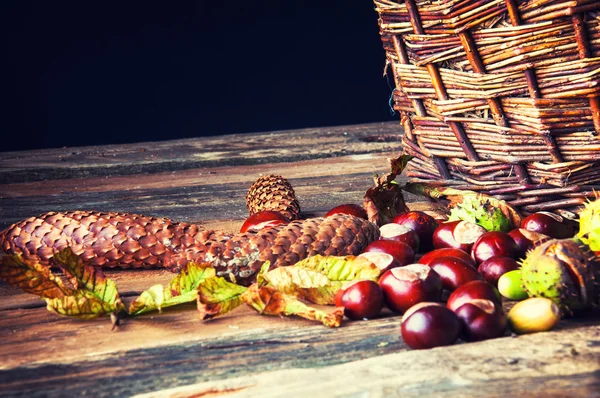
589, 226
480, 210
564, 271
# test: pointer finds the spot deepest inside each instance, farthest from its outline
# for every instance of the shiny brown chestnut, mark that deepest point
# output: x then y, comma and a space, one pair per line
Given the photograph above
471, 291
494, 244
428, 325
402, 253
526, 240
263, 219
493, 268
481, 320
406, 286
348, 208
454, 272
445, 252
361, 299
549, 224
457, 234
399, 233
422, 223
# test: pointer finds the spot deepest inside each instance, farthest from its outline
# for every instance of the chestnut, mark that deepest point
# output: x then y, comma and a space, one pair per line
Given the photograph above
493, 268
527, 240
549, 224
399, 233
471, 291
454, 271
383, 261
361, 299
402, 253
422, 223
457, 234
405, 286
428, 325
263, 219
481, 320
426, 259
494, 244
349, 208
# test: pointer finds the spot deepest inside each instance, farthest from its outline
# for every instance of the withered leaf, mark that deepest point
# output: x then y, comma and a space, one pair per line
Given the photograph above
217, 296
307, 284
269, 301
181, 289
385, 200
32, 277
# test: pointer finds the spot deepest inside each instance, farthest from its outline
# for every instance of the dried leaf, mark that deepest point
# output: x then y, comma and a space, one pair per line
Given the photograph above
304, 283
83, 304
181, 289
32, 277
338, 270
89, 278
385, 201
217, 296
268, 301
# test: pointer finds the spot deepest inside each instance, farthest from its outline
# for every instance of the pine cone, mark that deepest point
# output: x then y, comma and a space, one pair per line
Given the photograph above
105, 239
242, 255
273, 192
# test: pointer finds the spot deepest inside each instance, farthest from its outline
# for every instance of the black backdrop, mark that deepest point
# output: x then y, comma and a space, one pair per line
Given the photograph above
107, 72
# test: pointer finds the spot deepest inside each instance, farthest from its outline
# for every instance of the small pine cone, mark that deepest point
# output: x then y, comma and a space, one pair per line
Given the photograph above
108, 240
243, 254
273, 192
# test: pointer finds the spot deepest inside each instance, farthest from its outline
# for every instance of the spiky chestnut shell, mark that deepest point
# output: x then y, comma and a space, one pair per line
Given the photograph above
565, 272
589, 226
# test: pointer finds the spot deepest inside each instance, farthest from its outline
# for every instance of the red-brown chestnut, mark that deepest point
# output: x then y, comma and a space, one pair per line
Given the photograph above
383, 261
454, 271
349, 208
428, 325
493, 268
445, 252
481, 320
526, 240
406, 286
457, 234
422, 223
263, 219
399, 233
402, 253
361, 299
549, 224
494, 244
471, 291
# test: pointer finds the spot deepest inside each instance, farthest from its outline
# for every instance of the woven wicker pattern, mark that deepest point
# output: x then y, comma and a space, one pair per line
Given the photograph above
500, 96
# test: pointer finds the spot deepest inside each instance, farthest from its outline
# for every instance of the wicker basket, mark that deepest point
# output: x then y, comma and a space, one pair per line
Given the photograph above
499, 96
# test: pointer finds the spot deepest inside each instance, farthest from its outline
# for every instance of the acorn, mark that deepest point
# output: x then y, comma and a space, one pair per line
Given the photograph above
536, 314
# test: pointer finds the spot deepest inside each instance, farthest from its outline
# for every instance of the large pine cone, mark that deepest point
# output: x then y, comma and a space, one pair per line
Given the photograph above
105, 239
273, 192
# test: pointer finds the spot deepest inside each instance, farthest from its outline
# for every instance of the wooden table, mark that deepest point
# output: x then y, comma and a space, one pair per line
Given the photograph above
175, 354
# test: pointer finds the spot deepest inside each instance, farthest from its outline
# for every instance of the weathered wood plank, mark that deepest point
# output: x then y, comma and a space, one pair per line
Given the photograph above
563, 363
227, 150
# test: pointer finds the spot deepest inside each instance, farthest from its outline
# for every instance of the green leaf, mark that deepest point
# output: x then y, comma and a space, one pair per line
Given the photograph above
32, 277
217, 296
267, 300
181, 289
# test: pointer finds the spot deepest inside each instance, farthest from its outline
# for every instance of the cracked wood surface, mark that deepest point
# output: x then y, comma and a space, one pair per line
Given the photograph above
243, 354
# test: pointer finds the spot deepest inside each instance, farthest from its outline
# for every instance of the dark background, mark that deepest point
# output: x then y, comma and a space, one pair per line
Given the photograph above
107, 72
